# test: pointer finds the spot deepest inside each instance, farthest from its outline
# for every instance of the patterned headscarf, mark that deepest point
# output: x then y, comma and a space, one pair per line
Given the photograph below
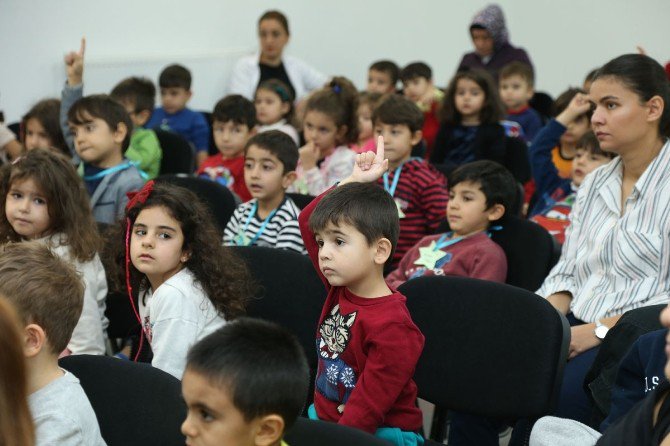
492, 19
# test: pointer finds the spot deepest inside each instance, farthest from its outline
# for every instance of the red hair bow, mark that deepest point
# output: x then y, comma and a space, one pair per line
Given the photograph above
140, 196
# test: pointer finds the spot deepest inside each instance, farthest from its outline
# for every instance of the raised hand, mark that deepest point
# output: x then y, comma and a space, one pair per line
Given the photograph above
369, 166
74, 65
579, 105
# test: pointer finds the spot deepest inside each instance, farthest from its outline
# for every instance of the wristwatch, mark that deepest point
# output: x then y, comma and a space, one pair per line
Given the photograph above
601, 330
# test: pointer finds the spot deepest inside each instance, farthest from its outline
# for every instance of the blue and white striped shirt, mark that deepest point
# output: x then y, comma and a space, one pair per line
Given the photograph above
612, 263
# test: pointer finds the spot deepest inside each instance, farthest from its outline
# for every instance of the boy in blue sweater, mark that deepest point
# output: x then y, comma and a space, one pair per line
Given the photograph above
516, 89
175, 85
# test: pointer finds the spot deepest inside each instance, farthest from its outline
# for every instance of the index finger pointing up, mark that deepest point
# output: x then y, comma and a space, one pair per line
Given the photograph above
380, 148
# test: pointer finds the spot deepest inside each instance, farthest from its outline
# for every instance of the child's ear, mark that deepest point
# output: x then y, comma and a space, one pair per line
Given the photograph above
341, 133
416, 137
120, 132
383, 251
189, 93
285, 107
35, 340
496, 212
269, 430
288, 179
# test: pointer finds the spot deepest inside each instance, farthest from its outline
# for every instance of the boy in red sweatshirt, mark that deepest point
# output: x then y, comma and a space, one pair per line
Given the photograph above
367, 344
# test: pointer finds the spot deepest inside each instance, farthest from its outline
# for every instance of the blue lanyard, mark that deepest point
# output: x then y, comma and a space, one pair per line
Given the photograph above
443, 242
396, 178
261, 229
117, 168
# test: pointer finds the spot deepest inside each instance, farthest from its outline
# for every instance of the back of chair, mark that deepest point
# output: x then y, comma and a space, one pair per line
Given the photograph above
178, 154
135, 404
543, 104
307, 432
300, 200
212, 145
516, 159
491, 349
529, 249
216, 197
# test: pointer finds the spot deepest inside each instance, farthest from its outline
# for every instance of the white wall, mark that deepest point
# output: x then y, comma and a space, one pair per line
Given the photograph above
565, 39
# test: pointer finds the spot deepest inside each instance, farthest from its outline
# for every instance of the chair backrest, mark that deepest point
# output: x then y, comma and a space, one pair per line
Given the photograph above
543, 104
290, 292
212, 145
491, 349
517, 160
15, 127
178, 153
135, 404
300, 200
529, 249
307, 432
216, 197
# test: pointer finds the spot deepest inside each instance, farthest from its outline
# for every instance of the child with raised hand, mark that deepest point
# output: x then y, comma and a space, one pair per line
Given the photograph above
329, 125
233, 122
479, 194
418, 188
270, 218
470, 129
244, 385
367, 344
47, 294
43, 199
41, 128
367, 103
274, 108
170, 260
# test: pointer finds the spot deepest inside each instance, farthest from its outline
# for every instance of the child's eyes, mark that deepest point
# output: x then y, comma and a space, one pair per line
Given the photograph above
206, 416
164, 235
89, 127
378, 131
339, 242
40, 201
451, 196
248, 166
15, 195
268, 167
319, 242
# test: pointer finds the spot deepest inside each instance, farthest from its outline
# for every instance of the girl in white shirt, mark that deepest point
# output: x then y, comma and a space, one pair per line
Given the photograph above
274, 108
170, 258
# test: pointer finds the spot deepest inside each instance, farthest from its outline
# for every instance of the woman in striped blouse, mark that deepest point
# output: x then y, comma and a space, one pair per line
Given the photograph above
617, 251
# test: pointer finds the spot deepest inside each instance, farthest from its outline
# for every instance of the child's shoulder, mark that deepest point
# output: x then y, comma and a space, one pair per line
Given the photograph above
421, 171
290, 208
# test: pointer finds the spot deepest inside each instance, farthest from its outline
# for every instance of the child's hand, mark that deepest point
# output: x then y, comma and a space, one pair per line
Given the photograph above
309, 156
74, 65
579, 105
369, 166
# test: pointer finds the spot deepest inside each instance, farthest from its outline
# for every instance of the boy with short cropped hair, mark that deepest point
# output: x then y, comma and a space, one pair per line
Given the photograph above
479, 195
101, 129
138, 97
367, 344
270, 218
383, 77
175, 85
419, 190
418, 87
244, 385
233, 123
516, 85
48, 296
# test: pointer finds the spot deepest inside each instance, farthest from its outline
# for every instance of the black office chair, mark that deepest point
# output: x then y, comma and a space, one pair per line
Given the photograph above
212, 146
307, 432
15, 127
300, 200
517, 160
218, 199
178, 153
491, 349
543, 104
135, 404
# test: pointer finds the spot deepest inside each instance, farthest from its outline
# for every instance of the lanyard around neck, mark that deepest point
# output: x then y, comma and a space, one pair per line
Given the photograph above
117, 168
443, 242
260, 230
396, 178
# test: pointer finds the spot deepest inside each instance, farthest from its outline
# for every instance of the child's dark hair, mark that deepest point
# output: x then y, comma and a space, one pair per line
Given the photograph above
235, 108
589, 142
416, 70
280, 145
175, 76
388, 67
103, 107
643, 76
516, 68
45, 289
370, 98
221, 274
47, 112
496, 183
275, 15
397, 109
339, 101
492, 109
563, 100
260, 364
138, 91
67, 201
280, 89
365, 206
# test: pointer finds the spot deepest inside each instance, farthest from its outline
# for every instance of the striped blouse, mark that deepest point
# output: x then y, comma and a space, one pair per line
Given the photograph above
612, 263
282, 230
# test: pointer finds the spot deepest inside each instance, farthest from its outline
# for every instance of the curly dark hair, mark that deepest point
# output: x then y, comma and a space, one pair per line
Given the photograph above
223, 276
67, 200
